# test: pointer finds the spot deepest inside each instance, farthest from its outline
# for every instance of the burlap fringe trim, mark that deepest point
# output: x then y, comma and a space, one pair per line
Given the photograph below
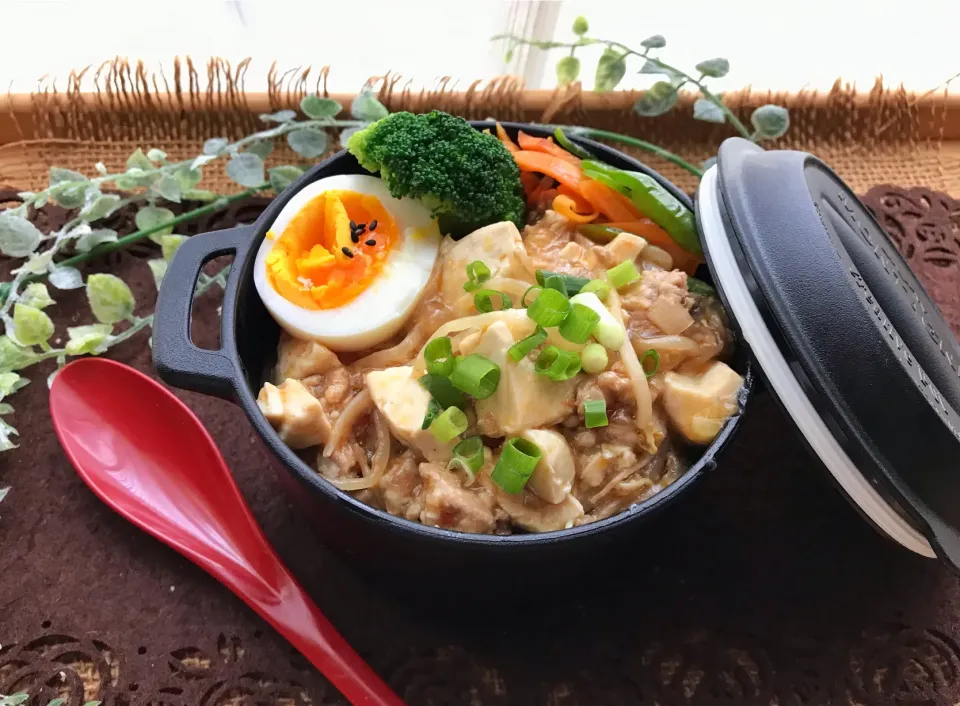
882, 135
130, 103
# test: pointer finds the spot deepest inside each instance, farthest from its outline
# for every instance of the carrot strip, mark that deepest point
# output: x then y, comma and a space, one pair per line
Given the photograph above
582, 205
686, 262
655, 235
536, 196
545, 145
552, 166
530, 182
567, 207
602, 198
547, 196
690, 266
609, 202
505, 139
646, 229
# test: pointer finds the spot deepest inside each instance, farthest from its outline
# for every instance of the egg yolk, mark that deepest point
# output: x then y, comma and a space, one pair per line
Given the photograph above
315, 262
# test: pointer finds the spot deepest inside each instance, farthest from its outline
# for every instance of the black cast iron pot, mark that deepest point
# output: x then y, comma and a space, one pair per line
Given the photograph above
248, 351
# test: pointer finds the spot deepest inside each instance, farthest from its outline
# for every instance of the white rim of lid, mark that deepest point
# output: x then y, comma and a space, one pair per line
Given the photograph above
785, 383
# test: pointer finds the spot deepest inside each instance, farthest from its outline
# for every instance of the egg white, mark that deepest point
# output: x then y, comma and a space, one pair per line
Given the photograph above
379, 311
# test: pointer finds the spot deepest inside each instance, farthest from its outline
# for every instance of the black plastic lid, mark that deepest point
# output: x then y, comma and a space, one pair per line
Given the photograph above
847, 338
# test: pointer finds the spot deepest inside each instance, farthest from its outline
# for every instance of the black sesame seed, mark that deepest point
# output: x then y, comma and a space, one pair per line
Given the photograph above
373, 224
361, 229
346, 251
371, 242
353, 226
355, 237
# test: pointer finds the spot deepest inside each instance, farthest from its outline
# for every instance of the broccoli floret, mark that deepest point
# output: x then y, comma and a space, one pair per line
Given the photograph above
467, 179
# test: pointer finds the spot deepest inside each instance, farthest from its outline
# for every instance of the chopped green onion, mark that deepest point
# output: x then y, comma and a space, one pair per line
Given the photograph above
478, 270
476, 375
557, 364
594, 358
595, 413
451, 423
570, 146
568, 284
523, 299
518, 459
477, 274
599, 287
519, 350
654, 357
542, 276
623, 274
483, 303
549, 308
609, 331
439, 356
433, 411
555, 282
443, 391
579, 323
468, 454
698, 286
610, 334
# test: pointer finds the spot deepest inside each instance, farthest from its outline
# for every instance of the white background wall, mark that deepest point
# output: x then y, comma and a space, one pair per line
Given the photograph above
789, 44
360, 38
770, 43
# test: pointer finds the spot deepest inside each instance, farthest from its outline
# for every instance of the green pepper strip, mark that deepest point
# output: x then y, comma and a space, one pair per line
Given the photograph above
655, 202
598, 232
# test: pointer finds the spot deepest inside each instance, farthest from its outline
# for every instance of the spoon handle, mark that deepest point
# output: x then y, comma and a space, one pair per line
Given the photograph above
291, 612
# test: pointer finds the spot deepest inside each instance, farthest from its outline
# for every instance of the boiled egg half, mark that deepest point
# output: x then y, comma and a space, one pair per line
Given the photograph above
323, 278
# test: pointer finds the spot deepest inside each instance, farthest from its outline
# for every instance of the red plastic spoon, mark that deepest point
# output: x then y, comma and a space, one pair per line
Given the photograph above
146, 455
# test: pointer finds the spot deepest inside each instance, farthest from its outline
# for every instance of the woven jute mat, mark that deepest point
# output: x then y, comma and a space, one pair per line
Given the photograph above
762, 587
884, 135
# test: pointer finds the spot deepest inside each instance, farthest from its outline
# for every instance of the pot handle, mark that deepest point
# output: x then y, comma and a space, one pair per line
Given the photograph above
178, 361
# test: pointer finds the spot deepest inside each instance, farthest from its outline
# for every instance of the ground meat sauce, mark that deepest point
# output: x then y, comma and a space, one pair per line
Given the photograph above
612, 466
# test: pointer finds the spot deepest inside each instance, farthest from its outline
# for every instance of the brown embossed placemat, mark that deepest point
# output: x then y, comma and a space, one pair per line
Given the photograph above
762, 587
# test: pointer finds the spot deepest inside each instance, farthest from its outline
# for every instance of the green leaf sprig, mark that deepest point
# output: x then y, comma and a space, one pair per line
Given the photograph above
152, 178
768, 121
22, 697
111, 302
